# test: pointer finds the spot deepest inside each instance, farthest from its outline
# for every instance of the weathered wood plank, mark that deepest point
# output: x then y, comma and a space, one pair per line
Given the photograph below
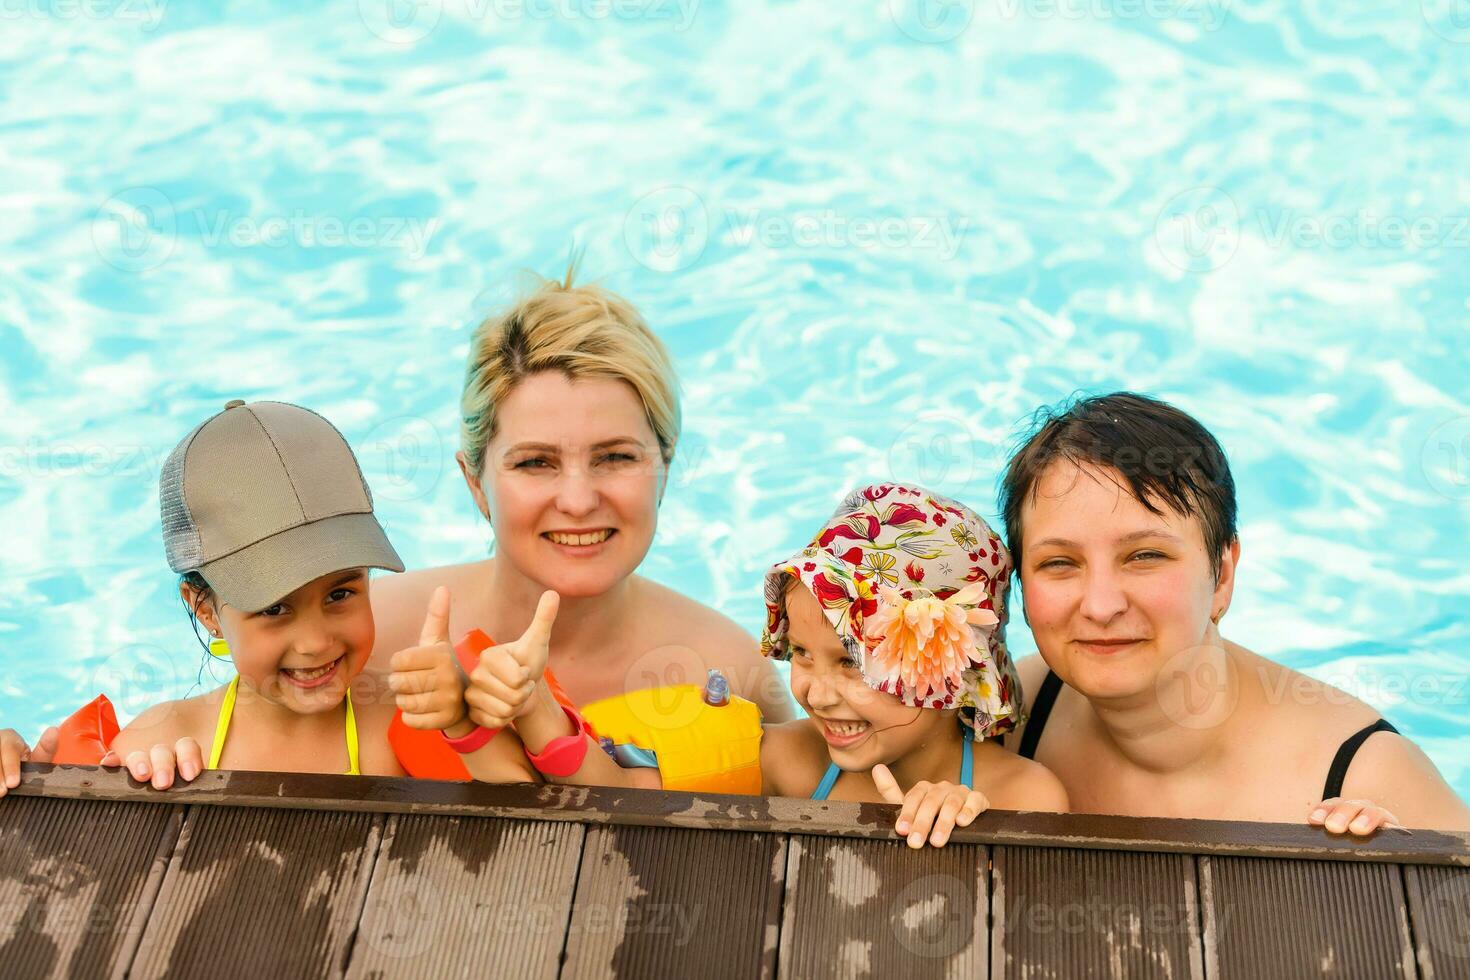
676, 903
1074, 913
77, 881
456, 897
1303, 918
1439, 914
274, 893
761, 814
881, 909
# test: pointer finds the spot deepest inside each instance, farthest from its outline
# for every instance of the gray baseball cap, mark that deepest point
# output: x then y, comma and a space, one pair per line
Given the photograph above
262, 499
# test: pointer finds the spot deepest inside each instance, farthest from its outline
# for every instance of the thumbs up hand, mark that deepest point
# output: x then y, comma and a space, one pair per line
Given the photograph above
427, 680
930, 810
503, 683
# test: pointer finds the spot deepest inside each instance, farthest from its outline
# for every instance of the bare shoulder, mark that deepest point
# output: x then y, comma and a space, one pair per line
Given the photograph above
692, 619
722, 643
1397, 774
793, 759
1013, 783
1303, 711
169, 721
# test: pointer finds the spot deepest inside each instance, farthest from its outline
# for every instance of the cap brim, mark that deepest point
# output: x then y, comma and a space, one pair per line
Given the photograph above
261, 575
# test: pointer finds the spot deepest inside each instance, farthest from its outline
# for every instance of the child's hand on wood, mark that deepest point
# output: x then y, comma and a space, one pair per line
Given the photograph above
930, 810
14, 751
158, 765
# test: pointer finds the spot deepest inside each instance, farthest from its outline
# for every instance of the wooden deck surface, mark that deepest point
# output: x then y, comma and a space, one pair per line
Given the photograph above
276, 875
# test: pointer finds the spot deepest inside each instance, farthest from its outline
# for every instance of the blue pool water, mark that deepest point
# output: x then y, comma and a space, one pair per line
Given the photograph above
875, 235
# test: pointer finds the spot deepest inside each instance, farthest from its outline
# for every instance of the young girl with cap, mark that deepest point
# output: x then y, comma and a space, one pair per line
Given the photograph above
269, 523
893, 620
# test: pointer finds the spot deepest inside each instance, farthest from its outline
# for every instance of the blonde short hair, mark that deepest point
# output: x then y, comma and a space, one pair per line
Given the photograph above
581, 331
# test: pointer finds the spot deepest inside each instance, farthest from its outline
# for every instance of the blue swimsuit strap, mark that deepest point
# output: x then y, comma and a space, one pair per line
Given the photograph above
967, 769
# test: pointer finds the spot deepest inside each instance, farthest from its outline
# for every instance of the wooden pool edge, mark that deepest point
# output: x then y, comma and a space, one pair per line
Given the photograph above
655, 808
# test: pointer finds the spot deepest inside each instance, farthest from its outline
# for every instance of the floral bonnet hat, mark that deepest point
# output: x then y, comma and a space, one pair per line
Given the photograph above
915, 586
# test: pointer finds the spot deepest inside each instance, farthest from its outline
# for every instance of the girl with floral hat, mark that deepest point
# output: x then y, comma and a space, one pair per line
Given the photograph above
893, 620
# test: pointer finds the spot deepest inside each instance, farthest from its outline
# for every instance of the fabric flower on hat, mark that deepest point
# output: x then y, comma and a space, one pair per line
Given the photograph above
914, 585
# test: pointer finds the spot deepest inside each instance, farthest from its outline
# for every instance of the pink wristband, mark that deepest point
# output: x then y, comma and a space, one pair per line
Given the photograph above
563, 756
478, 738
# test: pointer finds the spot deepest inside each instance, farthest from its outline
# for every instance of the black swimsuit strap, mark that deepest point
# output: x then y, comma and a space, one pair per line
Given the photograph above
1040, 710
1345, 754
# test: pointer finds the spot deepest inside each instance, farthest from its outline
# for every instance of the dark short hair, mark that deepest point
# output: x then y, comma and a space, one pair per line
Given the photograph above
1166, 458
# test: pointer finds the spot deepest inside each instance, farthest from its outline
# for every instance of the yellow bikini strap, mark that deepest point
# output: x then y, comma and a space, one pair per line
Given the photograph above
227, 709
221, 727
354, 769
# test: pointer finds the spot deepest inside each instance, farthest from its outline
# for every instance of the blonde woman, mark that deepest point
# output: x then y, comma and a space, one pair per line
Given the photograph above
570, 421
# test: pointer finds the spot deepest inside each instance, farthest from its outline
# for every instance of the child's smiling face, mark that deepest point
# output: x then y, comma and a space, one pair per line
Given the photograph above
863, 727
303, 652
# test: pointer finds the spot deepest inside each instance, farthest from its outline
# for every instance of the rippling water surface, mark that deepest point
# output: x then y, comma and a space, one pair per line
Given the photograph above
875, 235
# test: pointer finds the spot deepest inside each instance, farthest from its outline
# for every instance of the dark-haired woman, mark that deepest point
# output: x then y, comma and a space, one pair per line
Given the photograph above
1120, 513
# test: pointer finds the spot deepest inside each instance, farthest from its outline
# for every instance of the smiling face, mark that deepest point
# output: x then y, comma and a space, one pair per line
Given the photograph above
571, 482
1113, 592
863, 727
303, 652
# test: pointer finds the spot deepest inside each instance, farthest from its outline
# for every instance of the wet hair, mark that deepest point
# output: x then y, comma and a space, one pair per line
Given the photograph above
1165, 457
203, 593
